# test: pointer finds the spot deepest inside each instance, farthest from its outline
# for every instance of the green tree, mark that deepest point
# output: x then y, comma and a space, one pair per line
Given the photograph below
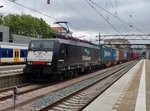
27, 25
1, 19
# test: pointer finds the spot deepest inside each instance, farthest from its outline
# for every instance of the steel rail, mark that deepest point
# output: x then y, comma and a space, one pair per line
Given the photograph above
123, 71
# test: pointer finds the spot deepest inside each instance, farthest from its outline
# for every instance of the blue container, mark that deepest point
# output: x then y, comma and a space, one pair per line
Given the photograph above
125, 55
105, 54
129, 55
113, 54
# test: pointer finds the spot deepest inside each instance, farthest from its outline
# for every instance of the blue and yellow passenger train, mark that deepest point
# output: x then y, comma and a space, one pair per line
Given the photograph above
12, 53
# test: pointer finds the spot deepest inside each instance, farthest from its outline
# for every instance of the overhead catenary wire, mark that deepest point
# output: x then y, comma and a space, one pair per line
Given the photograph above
82, 16
115, 16
86, 19
111, 4
75, 10
130, 17
46, 15
128, 13
90, 21
113, 7
33, 10
108, 21
102, 17
115, 13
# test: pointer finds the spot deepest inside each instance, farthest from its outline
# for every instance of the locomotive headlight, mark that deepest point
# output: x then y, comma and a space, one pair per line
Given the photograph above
29, 63
48, 63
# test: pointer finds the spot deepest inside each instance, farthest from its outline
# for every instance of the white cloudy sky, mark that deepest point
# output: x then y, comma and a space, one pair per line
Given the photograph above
87, 21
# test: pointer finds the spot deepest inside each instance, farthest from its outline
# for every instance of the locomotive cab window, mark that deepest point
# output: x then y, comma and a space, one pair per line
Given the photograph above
41, 45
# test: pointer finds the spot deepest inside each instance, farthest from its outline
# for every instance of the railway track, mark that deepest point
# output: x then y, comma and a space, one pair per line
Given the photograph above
7, 93
79, 99
29, 100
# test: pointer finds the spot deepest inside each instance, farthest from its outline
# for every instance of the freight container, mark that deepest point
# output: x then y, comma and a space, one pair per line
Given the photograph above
117, 55
113, 54
121, 55
133, 55
129, 55
125, 55
106, 55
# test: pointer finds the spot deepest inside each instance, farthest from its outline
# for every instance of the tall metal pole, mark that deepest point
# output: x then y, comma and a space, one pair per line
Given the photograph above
99, 39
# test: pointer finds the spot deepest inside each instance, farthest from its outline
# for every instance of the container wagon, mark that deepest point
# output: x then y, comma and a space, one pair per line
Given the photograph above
125, 56
114, 56
106, 55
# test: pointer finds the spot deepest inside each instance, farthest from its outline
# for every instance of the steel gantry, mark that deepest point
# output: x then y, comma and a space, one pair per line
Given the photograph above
126, 36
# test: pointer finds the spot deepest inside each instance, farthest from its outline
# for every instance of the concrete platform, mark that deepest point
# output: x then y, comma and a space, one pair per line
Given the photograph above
129, 93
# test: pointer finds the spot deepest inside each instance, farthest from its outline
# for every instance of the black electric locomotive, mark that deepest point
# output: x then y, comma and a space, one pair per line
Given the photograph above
59, 58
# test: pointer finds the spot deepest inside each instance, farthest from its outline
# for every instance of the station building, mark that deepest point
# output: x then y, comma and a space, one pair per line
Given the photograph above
4, 33
14, 38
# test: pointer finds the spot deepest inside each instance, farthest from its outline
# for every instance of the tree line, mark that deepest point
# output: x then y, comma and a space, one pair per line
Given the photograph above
26, 25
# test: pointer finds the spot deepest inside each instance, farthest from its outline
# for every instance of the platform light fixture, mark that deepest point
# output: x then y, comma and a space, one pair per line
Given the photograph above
13, 0
48, 1
1, 6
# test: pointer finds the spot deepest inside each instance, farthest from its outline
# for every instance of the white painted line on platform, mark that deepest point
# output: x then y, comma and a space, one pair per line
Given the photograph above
141, 98
9, 71
107, 100
9, 66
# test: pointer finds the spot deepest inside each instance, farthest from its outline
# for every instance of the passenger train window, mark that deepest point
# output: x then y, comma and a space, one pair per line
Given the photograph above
23, 53
4, 53
10, 53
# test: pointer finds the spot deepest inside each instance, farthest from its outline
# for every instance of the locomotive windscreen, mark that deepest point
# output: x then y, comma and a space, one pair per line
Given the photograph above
41, 45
